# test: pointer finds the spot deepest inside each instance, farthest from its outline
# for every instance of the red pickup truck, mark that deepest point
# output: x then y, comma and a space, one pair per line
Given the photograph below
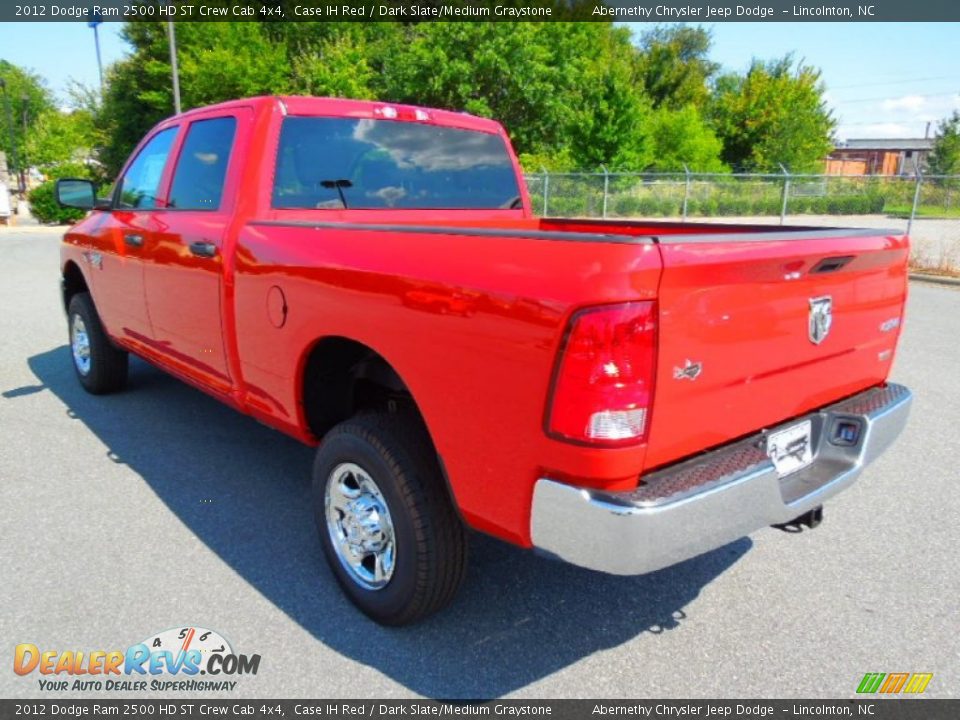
369, 278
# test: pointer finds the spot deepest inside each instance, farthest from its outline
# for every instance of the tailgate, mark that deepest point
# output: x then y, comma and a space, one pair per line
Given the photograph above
759, 328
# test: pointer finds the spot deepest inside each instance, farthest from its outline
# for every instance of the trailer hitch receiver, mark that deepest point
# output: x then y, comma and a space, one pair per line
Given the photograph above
809, 519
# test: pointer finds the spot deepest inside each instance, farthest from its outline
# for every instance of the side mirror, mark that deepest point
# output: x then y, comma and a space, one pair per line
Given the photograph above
74, 193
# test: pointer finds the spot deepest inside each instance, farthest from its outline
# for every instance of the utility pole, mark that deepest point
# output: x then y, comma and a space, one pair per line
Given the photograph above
172, 38
13, 139
786, 193
25, 100
97, 20
916, 195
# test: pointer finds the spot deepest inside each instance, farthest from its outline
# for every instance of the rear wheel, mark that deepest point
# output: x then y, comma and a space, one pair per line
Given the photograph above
101, 367
386, 522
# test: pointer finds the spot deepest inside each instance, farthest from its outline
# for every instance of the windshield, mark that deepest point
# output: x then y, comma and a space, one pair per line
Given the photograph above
333, 163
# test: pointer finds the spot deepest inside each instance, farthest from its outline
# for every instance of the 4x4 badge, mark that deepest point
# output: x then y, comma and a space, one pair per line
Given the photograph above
690, 371
94, 258
821, 318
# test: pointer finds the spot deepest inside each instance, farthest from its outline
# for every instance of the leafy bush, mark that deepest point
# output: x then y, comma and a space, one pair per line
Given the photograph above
626, 206
768, 206
868, 204
664, 198
709, 206
570, 206
805, 205
733, 206
650, 206
44, 206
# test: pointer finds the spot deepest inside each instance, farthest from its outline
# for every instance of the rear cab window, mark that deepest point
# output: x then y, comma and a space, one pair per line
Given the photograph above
337, 163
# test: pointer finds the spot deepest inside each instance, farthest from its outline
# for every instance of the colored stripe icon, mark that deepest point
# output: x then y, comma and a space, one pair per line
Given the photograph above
892, 683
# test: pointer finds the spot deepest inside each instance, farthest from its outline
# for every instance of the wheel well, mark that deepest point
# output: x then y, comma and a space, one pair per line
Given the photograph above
73, 283
343, 377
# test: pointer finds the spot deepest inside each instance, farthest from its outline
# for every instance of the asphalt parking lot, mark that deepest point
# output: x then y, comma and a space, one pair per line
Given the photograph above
157, 508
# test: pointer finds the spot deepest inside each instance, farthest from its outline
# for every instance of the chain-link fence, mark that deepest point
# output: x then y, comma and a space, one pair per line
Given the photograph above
928, 207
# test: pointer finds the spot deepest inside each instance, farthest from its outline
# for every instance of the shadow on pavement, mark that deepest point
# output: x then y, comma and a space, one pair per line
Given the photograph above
244, 490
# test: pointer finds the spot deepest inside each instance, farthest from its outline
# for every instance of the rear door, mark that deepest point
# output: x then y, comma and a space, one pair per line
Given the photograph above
758, 328
184, 272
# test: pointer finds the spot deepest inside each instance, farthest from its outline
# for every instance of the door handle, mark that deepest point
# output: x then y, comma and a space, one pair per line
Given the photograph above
133, 239
203, 249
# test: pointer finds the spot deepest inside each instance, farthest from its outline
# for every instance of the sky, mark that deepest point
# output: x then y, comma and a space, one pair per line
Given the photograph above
59, 51
882, 79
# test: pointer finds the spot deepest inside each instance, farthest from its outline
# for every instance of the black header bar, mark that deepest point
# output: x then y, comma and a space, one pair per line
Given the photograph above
653, 11
874, 708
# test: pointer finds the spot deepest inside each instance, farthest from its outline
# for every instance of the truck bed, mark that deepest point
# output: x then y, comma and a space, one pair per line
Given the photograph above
480, 338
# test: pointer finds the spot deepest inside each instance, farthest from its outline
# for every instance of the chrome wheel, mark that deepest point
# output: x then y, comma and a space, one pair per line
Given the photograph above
360, 527
80, 344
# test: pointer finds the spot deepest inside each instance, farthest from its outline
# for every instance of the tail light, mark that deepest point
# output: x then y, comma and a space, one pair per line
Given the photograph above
603, 383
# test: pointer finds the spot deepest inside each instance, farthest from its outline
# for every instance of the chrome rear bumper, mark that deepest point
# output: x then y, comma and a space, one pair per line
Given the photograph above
708, 501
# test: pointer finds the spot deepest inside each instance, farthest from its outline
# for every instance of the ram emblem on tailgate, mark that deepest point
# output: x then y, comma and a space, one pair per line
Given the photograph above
821, 318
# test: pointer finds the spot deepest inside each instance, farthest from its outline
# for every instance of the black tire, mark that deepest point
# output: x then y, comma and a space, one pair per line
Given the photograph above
106, 370
430, 551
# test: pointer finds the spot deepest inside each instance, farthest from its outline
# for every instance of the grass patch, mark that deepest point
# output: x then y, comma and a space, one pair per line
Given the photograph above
924, 211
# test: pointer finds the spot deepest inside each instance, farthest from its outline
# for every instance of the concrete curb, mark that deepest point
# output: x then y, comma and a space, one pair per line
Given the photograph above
936, 279
12, 229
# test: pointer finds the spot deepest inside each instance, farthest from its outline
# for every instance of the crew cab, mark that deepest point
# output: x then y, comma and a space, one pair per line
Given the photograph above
369, 278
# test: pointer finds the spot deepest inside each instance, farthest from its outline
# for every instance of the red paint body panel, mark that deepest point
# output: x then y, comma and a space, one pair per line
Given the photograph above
472, 320
731, 307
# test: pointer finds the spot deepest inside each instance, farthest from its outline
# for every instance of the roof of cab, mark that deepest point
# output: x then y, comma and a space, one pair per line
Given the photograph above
342, 107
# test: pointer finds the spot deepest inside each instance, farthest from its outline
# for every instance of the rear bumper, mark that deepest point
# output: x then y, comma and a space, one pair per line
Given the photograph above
706, 502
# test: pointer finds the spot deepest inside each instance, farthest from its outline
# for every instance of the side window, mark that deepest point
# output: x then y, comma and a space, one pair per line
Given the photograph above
202, 165
138, 188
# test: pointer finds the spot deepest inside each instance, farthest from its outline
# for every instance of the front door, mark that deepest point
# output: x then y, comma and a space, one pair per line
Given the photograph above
123, 238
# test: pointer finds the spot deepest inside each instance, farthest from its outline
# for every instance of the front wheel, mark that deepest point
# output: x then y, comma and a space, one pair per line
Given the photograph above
101, 367
386, 521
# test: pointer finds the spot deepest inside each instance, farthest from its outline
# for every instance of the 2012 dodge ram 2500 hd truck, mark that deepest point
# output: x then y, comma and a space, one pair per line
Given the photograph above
369, 278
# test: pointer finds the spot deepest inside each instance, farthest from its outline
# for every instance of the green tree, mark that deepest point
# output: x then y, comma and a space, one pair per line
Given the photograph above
46, 209
571, 95
682, 137
773, 114
221, 61
340, 66
945, 157
611, 119
562, 90
62, 143
503, 70
218, 61
674, 67
25, 91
